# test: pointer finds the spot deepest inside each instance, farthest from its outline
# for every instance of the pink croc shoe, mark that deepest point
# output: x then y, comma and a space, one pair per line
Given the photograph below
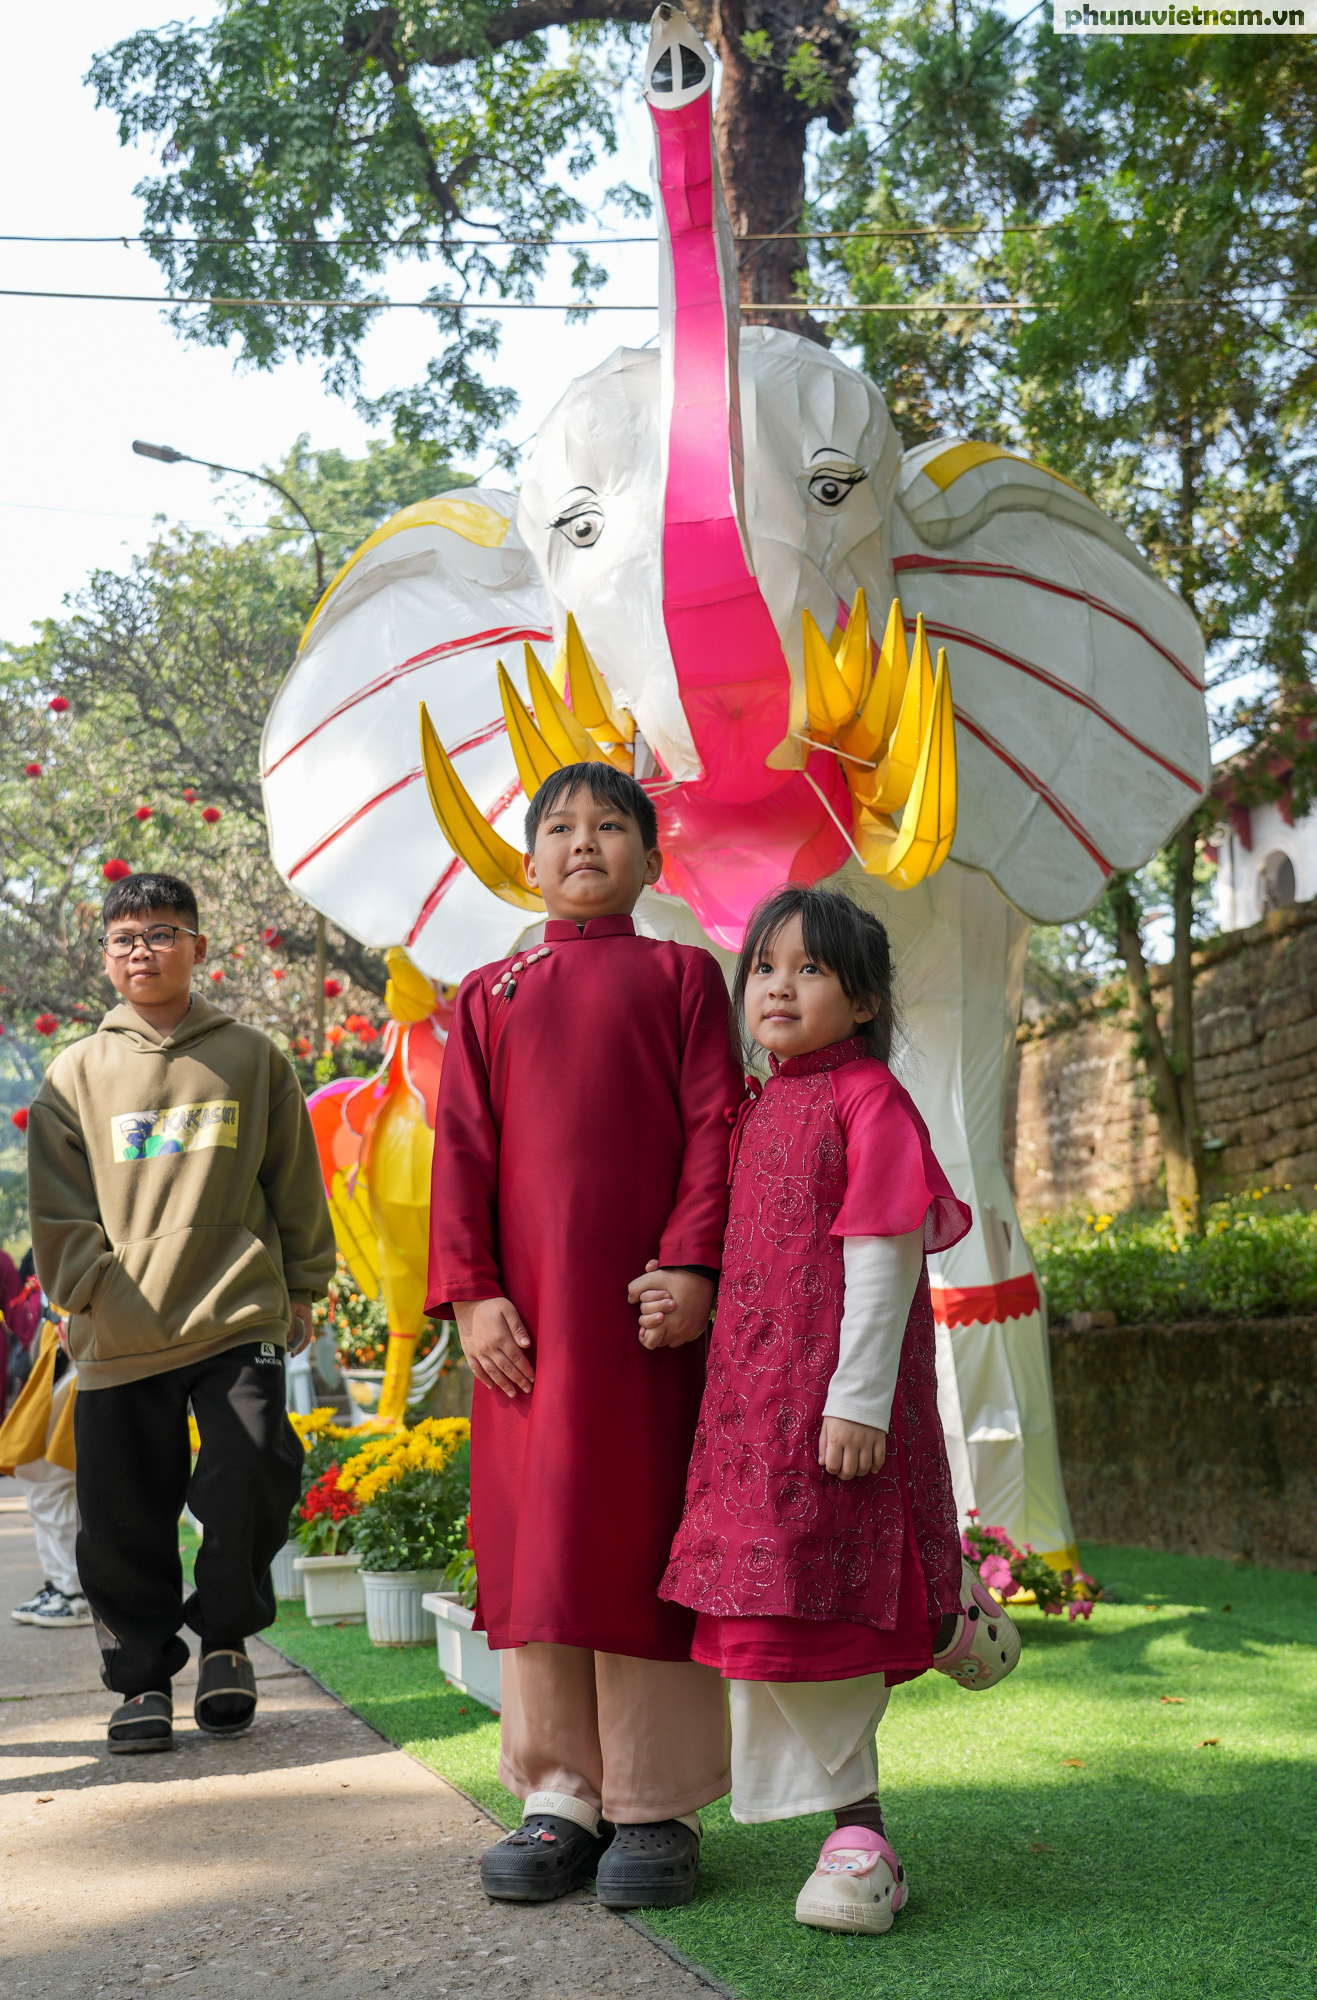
985, 1646
858, 1884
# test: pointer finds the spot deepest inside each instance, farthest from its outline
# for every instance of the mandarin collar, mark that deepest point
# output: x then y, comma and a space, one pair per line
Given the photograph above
817, 1060
561, 930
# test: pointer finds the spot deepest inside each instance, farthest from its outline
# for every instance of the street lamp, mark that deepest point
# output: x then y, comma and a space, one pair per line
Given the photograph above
168, 456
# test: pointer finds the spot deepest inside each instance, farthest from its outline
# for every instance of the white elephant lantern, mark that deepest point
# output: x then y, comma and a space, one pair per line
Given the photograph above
692, 521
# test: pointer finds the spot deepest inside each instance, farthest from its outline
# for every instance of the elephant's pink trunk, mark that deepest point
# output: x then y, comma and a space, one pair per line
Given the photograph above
734, 681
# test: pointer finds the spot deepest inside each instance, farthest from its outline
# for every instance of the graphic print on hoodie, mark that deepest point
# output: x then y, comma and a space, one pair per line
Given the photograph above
176, 1200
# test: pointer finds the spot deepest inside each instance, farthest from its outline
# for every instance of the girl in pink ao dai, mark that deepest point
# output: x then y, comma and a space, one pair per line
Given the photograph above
819, 1543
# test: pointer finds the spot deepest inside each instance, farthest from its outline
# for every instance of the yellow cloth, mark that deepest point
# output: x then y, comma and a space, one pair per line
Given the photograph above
26, 1433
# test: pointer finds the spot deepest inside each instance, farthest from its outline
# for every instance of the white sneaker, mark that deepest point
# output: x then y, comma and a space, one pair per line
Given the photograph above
57, 1609
26, 1614
858, 1885
985, 1645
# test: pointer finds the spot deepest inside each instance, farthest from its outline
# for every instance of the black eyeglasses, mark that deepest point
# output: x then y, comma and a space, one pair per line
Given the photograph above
160, 937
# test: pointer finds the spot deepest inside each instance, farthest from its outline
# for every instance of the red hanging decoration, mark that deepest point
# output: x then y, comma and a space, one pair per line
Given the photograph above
114, 871
211, 815
20, 1118
58, 705
45, 1024
143, 812
32, 770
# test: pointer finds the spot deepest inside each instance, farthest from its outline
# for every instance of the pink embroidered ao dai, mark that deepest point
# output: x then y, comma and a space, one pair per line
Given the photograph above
794, 1573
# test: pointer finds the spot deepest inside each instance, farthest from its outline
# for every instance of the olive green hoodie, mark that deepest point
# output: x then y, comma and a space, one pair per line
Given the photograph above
176, 1201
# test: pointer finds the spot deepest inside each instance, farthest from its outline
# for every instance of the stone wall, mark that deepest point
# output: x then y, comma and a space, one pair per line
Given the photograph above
1079, 1125
1199, 1437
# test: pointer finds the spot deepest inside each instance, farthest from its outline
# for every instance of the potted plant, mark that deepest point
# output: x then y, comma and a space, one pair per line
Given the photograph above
325, 1442
411, 1489
330, 1568
464, 1655
1019, 1576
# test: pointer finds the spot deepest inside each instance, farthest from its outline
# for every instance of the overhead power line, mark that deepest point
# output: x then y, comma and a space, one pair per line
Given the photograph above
828, 308
535, 242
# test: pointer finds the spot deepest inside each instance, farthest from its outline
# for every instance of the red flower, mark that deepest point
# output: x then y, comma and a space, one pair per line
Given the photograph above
59, 706
211, 815
368, 1034
278, 972
143, 812
217, 975
302, 1045
114, 871
333, 987
334, 1036
20, 1118
45, 1024
191, 798
32, 770
327, 1497
272, 937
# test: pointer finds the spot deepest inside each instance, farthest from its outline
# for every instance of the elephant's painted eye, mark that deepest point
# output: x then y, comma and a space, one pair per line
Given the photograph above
581, 522
831, 483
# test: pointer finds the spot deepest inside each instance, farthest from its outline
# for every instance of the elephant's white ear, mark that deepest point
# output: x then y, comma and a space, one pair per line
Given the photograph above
422, 612
1077, 674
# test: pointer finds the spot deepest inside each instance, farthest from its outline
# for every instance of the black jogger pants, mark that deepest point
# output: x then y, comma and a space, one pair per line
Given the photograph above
133, 1478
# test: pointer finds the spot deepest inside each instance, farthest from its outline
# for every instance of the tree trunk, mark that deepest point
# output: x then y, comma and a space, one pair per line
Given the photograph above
1170, 1070
761, 125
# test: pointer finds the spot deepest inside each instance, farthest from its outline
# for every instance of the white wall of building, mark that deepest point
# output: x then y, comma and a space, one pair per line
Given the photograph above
1242, 875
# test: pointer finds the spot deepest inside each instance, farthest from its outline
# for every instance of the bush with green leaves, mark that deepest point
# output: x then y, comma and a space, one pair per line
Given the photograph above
1255, 1260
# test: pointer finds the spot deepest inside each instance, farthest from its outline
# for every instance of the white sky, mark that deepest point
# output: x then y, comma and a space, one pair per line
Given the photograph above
83, 380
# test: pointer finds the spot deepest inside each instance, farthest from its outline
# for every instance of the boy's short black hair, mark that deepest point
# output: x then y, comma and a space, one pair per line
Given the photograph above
607, 786
137, 894
837, 934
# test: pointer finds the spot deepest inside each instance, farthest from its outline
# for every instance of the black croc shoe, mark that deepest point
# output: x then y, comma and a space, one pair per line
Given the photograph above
146, 1722
226, 1693
544, 1858
649, 1867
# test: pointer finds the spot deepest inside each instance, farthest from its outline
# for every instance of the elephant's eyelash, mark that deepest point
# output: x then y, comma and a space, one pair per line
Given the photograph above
843, 479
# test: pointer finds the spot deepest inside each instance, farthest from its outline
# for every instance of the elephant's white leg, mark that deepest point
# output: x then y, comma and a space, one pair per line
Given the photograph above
960, 949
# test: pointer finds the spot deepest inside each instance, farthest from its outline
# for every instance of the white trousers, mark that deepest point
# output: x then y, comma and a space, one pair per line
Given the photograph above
50, 1492
804, 1746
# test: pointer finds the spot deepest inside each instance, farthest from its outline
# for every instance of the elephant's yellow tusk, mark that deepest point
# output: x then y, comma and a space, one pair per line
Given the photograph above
592, 704
855, 654
928, 824
535, 760
467, 831
873, 726
896, 773
565, 735
829, 705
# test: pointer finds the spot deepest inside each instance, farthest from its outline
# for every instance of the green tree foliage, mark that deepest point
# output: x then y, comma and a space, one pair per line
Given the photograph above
166, 674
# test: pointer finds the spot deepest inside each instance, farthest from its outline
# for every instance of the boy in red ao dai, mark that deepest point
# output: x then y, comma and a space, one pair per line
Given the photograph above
582, 1135
819, 1543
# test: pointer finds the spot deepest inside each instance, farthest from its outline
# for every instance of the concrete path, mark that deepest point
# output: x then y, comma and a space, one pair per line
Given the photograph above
305, 1857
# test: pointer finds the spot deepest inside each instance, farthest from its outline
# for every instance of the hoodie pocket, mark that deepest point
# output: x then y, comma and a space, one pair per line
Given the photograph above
188, 1287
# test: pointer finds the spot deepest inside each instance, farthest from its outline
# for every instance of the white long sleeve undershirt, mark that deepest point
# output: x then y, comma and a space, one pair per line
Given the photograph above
881, 1275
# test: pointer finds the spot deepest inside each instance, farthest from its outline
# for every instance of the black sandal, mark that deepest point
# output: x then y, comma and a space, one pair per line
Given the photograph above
226, 1694
143, 1722
649, 1867
542, 1859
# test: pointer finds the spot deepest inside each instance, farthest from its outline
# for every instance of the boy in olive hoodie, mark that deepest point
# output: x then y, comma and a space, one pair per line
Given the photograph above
179, 1218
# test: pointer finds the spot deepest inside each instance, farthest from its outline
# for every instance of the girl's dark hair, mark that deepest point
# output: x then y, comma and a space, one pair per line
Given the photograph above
606, 786
837, 934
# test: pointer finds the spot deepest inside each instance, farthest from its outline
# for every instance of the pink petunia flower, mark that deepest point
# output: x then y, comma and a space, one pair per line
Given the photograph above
1082, 1609
996, 1573
1051, 1611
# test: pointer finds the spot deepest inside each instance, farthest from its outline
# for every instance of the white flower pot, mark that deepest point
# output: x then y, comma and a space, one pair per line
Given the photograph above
286, 1581
465, 1658
335, 1594
395, 1612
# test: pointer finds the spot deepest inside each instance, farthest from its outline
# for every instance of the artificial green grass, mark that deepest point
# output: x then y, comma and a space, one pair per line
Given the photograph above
1148, 1867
